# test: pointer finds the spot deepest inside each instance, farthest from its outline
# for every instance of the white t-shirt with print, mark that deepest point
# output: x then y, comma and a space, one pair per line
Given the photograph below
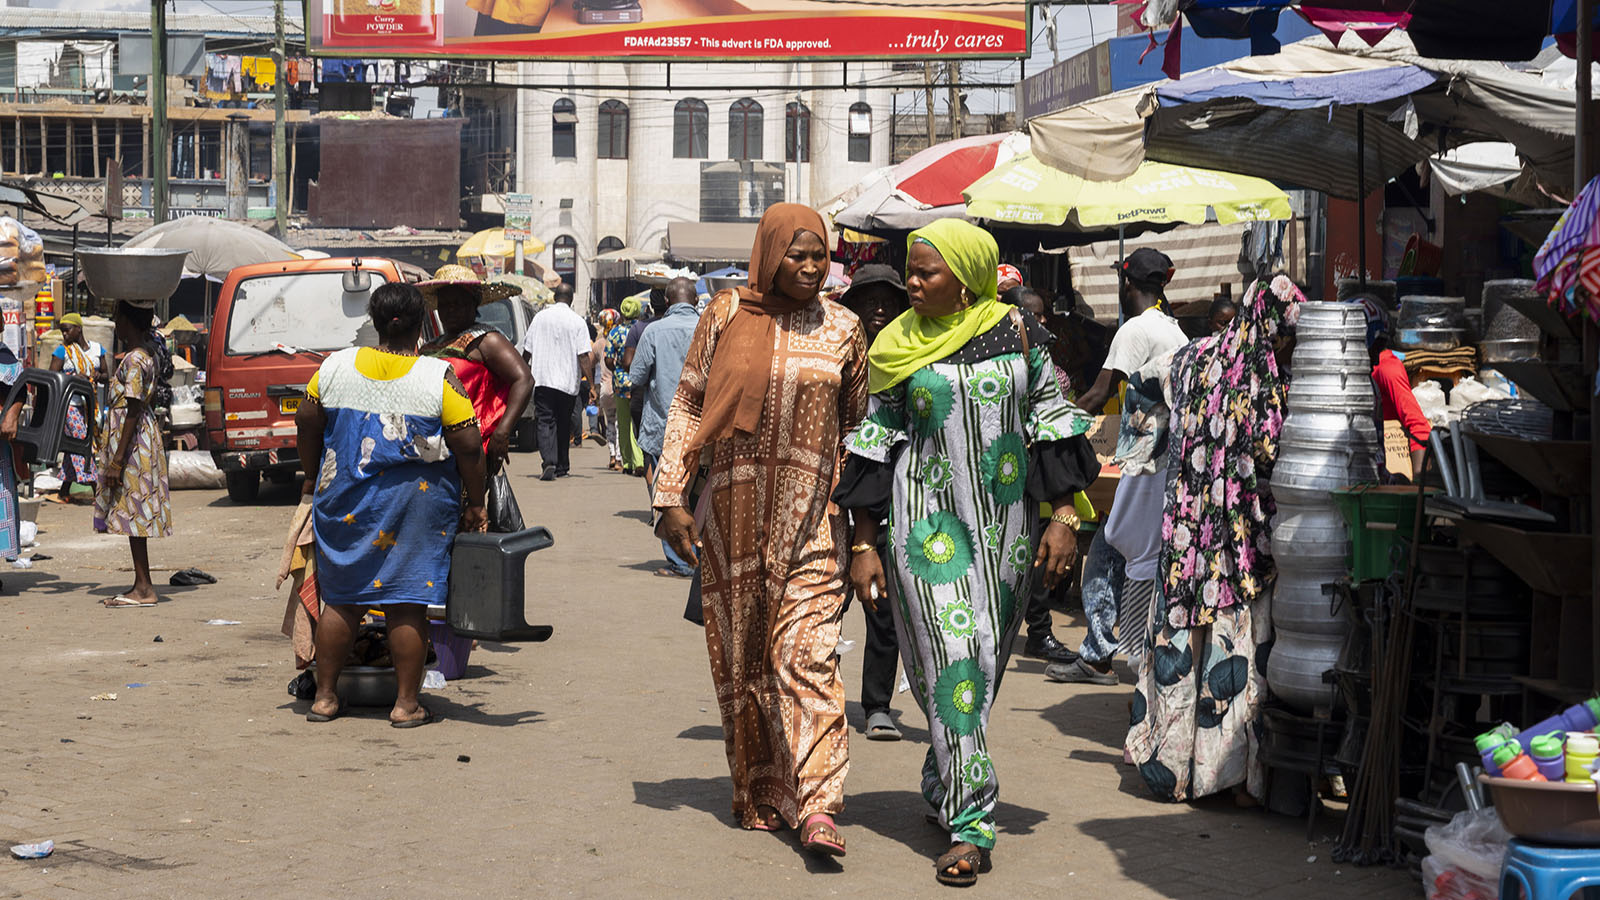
1141, 437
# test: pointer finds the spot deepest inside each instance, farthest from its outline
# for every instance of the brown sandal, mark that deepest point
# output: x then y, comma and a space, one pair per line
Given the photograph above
976, 858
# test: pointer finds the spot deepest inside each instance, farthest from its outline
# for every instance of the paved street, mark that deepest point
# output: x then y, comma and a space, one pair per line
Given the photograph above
591, 765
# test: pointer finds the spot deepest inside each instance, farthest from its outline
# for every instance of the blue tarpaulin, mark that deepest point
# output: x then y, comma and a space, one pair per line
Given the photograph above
1300, 92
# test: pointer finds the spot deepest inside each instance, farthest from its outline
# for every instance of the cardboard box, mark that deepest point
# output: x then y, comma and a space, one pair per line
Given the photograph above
1396, 450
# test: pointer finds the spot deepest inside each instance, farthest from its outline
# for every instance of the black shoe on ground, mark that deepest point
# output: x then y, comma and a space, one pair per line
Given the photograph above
549, 474
1048, 649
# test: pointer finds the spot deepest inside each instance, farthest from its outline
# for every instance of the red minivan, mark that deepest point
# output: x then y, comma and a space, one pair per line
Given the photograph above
273, 326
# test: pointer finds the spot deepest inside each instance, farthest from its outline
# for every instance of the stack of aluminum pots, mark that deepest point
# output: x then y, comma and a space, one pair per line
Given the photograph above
1329, 440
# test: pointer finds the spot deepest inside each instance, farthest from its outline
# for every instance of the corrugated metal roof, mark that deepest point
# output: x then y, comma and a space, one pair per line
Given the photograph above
66, 23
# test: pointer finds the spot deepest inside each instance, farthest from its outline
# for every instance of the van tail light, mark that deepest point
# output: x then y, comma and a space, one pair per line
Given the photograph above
213, 411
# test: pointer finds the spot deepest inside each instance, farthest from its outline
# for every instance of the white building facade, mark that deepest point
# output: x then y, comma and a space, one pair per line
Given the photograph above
613, 167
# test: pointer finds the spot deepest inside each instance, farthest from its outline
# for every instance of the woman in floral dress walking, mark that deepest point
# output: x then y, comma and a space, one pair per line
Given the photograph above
967, 433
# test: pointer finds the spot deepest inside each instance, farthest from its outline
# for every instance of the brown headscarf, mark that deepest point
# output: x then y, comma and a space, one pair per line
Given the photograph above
741, 365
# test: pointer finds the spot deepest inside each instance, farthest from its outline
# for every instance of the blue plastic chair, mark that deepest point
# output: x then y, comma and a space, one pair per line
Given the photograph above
1543, 872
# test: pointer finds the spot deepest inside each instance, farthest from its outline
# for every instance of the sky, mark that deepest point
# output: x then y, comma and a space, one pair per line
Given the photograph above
1077, 29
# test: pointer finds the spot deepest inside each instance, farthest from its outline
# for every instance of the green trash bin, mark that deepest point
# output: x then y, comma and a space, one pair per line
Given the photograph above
1381, 517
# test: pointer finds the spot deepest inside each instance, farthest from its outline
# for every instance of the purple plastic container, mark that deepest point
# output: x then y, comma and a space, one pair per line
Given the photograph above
1579, 717
1549, 754
451, 650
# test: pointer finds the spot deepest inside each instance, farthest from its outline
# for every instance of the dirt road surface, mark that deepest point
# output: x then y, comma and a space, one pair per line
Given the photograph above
588, 766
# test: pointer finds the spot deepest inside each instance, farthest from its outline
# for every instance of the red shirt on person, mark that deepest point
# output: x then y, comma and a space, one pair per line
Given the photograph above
1394, 392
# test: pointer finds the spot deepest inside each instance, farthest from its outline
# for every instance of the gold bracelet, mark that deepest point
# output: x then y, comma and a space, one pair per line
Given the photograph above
864, 547
1068, 518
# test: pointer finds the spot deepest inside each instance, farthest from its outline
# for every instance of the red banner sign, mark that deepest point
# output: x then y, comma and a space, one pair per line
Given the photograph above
754, 30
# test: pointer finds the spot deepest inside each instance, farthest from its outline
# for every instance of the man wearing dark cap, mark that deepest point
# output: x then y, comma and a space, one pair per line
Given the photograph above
1121, 565
877, 296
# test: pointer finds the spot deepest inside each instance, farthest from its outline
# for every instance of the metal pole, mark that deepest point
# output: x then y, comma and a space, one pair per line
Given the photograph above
519, 257
1361, 194
280, 102
1582, 171
157, 95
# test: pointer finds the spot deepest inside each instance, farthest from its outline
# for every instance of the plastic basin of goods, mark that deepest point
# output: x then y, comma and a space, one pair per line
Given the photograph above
452, 651
1547, 812
143, 273
1381, 518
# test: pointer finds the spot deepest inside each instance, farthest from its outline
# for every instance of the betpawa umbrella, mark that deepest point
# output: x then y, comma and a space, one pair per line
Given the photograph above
1025, 191
492, 242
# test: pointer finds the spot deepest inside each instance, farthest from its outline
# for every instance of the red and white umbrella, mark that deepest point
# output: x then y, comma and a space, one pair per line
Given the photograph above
925, 187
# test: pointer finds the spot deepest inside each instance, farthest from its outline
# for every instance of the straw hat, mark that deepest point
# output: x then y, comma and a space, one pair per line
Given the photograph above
454, 274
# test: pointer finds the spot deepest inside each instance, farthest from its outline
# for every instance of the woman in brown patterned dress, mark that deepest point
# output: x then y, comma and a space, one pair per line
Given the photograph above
775, 379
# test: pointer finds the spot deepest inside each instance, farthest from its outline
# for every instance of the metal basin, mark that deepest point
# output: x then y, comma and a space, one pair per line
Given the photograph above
1315, 429
1309, 537
1320, 398
1294, 670
1340, 318
718, 285
1306, 476
1299, 607
139, 274
1319, 353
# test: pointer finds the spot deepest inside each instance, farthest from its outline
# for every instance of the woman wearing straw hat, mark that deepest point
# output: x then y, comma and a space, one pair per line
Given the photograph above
497, 380
79, 356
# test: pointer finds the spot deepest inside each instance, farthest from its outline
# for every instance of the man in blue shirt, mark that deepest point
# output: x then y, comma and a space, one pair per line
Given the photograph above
657, 365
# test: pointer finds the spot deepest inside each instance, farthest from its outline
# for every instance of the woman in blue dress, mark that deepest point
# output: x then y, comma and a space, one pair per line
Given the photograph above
398, 444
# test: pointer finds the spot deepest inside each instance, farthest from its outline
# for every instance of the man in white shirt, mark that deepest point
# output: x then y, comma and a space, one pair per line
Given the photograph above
557, 350
1120, 569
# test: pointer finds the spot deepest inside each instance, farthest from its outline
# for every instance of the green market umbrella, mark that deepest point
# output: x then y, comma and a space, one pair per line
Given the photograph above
1024, 191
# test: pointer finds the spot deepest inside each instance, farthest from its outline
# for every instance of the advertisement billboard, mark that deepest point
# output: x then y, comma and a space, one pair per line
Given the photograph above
753, 30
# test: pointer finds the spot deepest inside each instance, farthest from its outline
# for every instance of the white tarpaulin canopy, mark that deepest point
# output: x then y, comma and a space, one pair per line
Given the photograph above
1297, 118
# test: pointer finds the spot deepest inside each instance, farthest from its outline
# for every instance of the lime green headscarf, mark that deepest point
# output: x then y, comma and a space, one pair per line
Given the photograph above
631, 307
913, 341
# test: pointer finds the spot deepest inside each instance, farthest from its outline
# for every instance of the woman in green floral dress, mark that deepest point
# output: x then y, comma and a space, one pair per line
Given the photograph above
968, 432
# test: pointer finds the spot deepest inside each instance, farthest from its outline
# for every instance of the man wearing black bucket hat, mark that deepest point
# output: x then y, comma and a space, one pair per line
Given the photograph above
1120, 568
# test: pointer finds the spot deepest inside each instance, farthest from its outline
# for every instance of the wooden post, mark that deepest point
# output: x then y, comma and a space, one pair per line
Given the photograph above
16, 146
196, 172
927, 100
70, 167
44, 149
116, 147
144, 147
94, 138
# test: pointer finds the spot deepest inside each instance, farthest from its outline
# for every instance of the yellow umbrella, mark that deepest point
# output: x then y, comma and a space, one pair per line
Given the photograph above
1025, 191
492, 242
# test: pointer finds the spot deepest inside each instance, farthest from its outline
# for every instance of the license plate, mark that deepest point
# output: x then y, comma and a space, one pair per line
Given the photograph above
289, 404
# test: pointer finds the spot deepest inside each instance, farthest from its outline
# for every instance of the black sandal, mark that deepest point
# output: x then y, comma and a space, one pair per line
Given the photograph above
326, 717
976, 858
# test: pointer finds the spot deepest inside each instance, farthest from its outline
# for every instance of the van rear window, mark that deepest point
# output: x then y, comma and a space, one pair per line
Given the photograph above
301, 310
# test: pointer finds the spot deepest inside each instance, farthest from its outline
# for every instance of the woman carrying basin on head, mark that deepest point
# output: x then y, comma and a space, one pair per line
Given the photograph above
131, 497
774, 380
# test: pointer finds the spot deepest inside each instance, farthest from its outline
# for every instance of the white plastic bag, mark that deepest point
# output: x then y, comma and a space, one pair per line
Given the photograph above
1430, 396
1473, 842
1470, 390
193, 470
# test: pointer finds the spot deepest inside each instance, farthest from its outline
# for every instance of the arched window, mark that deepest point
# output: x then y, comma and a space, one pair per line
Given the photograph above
691, 127
796, 133
860, 132
564, 258
613, 130
744, 129
564, 129
609, 243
